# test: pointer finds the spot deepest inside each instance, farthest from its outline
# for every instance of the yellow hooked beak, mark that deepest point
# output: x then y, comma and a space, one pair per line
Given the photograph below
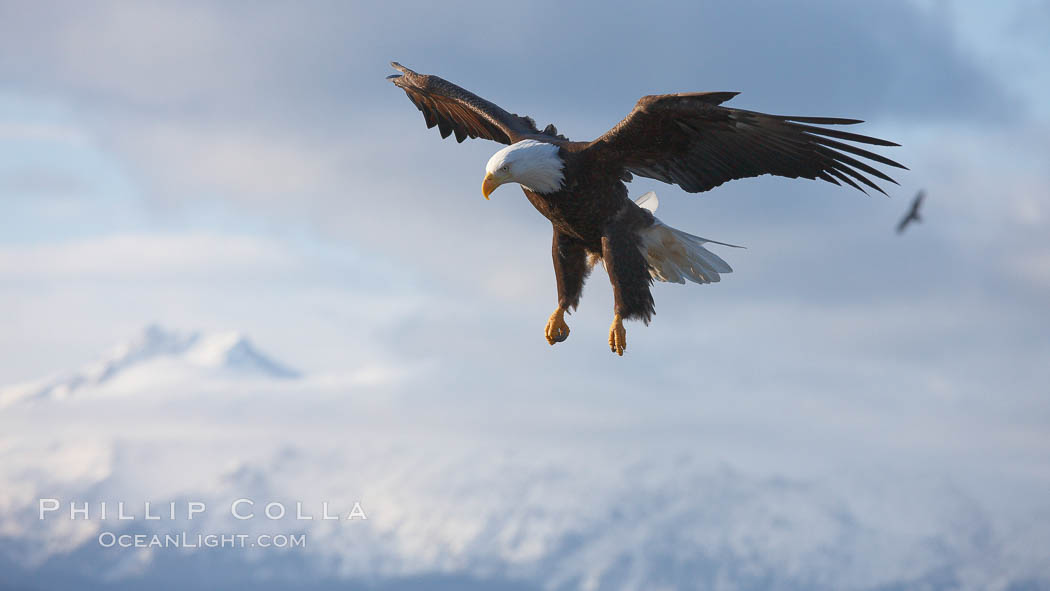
489, 185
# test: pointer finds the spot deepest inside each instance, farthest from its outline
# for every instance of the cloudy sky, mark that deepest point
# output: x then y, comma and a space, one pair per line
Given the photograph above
246, 166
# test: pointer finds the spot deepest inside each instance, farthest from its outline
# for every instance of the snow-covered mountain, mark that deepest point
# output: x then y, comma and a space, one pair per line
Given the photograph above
461, 496
154, 357
591, 522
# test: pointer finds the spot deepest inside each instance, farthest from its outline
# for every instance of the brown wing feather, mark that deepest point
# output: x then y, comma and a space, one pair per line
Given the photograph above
690, 140
457, 111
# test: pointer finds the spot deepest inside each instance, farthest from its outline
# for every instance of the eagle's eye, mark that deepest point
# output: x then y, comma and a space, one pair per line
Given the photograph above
505, 168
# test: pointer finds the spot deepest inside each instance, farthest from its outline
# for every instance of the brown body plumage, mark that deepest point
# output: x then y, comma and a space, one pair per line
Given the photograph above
600, 227
686, 139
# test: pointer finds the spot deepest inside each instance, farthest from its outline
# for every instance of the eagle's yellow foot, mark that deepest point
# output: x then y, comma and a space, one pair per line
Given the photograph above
617, 336
557, 331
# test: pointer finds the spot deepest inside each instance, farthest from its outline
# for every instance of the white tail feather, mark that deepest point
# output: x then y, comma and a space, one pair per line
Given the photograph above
674, 255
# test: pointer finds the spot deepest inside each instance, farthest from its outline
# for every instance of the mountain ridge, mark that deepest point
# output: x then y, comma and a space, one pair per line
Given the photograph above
215, 354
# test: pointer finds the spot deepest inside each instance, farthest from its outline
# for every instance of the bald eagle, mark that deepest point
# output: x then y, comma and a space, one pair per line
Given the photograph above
687, 139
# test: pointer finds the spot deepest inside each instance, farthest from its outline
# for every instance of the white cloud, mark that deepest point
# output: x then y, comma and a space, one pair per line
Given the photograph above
1034, 267
19, 131
131, 256
125, 50
230, 163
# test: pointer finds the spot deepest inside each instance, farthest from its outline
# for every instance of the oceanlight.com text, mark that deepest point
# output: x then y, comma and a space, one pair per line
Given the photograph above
198, 540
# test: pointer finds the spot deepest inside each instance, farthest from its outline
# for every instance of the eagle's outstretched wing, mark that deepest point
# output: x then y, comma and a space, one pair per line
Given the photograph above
689, 140
455, 110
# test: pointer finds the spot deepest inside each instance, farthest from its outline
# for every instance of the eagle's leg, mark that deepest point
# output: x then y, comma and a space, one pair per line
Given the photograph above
570, 271
629, 275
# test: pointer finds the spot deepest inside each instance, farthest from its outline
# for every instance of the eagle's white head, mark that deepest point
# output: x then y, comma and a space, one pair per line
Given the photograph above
532, 164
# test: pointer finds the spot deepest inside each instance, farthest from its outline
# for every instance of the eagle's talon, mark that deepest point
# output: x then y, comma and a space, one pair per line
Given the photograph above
617, 336
557, 331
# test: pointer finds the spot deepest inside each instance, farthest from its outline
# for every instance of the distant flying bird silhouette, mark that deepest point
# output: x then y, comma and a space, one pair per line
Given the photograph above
913, 213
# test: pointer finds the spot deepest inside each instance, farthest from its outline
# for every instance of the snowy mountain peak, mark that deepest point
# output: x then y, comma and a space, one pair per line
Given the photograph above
233, 351
217, 350
159, 355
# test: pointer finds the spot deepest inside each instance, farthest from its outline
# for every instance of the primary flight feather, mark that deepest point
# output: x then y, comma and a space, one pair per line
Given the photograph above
687, 139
